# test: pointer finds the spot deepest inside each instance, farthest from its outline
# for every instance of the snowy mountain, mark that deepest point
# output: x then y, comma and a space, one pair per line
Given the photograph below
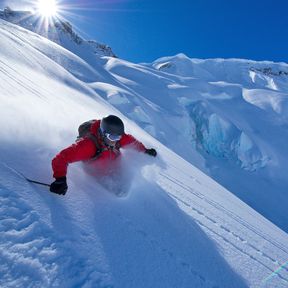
176, 227
223, 116
60, 32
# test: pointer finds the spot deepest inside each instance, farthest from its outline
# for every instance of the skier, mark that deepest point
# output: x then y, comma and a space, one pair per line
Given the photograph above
102, 143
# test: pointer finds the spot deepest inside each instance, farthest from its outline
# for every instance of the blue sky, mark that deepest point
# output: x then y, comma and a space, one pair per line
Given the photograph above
142, 31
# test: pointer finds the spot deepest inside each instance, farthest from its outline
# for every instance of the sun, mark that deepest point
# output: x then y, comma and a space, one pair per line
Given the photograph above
47, 8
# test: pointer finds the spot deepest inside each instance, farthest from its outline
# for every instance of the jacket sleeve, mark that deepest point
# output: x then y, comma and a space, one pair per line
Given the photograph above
129, 140
82, 150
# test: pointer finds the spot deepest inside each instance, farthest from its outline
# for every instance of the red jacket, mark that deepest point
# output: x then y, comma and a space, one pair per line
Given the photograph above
85, 149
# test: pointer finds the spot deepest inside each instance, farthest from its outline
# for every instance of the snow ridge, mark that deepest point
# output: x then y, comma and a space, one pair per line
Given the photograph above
60, 32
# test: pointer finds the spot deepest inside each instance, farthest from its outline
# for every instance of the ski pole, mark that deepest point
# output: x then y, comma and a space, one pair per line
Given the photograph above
27, 179
36, 182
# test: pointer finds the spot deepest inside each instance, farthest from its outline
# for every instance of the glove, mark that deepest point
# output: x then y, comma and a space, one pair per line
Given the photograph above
59, 186
151, 152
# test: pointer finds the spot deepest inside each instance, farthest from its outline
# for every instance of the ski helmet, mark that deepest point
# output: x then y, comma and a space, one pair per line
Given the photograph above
112, 125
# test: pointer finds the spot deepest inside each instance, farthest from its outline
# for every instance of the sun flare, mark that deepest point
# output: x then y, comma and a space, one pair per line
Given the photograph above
47, 8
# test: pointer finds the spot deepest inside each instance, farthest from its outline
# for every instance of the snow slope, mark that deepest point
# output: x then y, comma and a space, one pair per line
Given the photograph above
228, 117
176, 227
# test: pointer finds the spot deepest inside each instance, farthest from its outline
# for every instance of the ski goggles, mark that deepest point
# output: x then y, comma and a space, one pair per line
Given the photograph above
112, 137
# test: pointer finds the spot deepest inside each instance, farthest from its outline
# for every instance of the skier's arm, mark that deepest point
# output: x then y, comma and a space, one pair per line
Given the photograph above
129, 140
82, 150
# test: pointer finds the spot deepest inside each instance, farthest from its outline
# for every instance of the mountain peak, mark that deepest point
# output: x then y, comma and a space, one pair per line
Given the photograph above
58, 31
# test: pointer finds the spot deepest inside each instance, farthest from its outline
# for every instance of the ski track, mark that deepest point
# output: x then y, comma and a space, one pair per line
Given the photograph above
22, 233
232, 238
225, 211
23, 84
